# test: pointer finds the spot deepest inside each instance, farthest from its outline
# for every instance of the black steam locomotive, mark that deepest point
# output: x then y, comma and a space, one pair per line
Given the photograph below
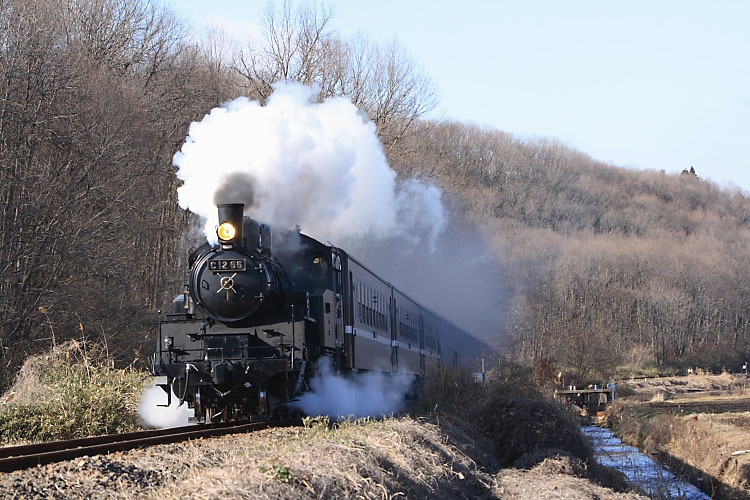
246, 334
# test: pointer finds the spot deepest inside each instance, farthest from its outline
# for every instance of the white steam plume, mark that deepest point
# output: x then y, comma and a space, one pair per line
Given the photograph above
359, 394
293, 161
154, 415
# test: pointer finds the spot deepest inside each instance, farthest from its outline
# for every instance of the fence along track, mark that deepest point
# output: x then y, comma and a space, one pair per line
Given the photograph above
25, 456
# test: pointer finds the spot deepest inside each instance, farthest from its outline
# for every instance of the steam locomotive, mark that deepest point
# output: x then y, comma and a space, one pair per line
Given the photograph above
251, 326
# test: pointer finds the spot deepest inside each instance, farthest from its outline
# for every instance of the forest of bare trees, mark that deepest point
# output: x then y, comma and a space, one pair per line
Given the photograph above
96, 98
605, 266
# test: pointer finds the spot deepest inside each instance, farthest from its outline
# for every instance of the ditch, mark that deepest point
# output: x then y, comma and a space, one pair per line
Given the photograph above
642, 471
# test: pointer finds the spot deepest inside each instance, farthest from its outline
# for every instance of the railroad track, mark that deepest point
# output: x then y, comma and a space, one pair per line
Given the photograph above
21, 457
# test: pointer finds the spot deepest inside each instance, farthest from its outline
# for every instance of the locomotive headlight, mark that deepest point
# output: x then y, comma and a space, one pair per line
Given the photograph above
226, 232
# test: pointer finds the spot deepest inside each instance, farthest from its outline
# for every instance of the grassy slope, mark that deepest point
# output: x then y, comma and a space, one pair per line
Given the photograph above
493, 443
393, 458
698, 446
72, 391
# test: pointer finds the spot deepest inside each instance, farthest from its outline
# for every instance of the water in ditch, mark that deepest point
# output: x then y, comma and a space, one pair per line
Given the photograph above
642, 471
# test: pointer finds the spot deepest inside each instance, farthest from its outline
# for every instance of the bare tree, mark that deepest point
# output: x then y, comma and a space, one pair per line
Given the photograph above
95, 97
381, 79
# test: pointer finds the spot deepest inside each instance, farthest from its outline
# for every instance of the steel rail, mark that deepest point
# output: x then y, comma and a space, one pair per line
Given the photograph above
25, 456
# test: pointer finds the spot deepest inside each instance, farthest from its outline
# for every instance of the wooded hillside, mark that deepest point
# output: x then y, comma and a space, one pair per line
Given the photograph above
607, 266
604, 265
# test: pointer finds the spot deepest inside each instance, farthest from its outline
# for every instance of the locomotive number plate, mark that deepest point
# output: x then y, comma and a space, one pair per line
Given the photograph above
227, 265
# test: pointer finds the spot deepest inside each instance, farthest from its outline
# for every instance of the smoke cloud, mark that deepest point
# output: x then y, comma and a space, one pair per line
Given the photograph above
322, 166
293, 161
153, 415
359, 394
237, 187
461, 280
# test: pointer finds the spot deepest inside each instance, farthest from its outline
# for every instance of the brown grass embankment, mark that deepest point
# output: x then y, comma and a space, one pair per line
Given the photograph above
698, 447
69, 392
690, 386
522, 428
504, 441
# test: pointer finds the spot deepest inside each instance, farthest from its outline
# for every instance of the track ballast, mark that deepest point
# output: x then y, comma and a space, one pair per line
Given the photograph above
25, 456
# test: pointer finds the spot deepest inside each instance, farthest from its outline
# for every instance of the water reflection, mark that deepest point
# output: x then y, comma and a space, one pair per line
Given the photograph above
642, 471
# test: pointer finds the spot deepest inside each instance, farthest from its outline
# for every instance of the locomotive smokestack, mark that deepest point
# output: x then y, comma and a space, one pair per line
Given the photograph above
230, 223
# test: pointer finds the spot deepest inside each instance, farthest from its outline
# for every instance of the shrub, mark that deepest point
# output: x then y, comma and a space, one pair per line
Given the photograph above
73, 391
526, 426
520, 424
449, 389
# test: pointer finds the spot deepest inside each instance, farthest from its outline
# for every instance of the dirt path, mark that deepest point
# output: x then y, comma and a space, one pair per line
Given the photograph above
707, 406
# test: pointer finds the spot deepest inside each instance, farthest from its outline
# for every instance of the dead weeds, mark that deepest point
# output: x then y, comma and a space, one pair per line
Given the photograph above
364, 459
686, 387
700, 447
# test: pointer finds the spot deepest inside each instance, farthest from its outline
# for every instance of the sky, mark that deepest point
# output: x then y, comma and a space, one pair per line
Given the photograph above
639, 84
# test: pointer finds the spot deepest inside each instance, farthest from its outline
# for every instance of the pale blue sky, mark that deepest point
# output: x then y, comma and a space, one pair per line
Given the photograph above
641, 84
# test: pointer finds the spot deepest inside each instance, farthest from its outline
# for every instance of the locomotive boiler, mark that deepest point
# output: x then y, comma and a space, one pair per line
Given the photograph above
256, 318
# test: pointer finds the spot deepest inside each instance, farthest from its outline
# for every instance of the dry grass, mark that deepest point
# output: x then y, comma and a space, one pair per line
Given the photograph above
559, 478
740, 420
72, 391
451, 390
716, 397
363, 459
396, 457
388, 459
699, 446
449, 454
669, 388
525, 427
